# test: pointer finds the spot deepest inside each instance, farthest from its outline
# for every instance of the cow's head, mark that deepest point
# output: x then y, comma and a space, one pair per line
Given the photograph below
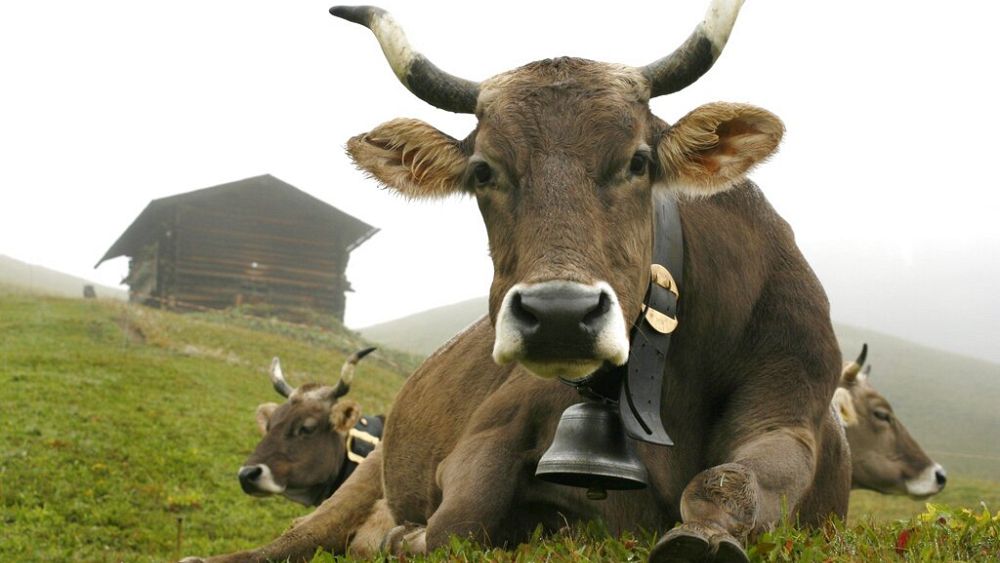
885, 458
303, 451
563, 163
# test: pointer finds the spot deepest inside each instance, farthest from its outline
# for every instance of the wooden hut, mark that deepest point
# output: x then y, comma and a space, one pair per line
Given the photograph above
255, 241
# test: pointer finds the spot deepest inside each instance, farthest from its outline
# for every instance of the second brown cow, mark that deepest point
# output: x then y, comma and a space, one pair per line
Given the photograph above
312, 442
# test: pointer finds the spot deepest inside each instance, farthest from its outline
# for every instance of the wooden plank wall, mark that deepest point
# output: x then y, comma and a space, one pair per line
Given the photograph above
233, 256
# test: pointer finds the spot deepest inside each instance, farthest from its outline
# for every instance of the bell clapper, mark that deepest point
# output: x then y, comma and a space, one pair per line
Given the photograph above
597, 493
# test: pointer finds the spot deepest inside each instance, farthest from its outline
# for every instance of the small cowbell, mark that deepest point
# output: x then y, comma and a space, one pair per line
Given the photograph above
590, 450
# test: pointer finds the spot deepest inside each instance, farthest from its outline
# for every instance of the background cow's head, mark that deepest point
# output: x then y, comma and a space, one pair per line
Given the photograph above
303, 452
563, 162
885, 458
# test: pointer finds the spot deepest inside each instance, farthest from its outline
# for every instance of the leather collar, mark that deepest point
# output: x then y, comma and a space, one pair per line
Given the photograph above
361, 441
637, 387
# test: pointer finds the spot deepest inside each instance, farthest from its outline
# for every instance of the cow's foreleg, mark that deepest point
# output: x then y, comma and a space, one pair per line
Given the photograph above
478, 483
332, 525
477, 487
724, 504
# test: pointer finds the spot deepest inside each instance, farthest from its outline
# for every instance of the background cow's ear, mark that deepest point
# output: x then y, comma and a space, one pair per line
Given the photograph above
844, 404
344, 414
712, 148
264, 413
410, 156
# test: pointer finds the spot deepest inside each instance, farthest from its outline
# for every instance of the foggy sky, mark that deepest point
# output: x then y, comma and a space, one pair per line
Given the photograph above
884, 173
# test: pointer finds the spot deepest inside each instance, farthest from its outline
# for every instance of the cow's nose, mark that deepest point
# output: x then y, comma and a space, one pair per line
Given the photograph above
941, 476
561, 328
559, 319
248, 477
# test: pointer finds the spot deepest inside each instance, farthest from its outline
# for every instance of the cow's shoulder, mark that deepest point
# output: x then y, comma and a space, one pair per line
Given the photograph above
453, 380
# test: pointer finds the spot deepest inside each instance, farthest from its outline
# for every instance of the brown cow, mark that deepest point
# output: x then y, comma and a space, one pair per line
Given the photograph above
565, 163
306, 450
884, 457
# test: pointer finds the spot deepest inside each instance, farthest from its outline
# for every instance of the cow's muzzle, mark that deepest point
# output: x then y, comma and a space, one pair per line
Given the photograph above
561, 328
930, 482
258, 480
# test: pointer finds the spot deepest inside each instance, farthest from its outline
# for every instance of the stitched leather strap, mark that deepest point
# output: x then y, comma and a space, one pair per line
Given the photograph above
642, 392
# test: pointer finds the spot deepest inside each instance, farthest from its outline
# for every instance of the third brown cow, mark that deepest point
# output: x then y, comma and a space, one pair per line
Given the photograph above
884, 456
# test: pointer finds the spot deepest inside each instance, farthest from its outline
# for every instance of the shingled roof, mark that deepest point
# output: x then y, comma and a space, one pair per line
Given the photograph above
260, 191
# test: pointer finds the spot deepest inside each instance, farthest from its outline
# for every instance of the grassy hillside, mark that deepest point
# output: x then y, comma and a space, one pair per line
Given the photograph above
121, 423
122, 426
44, 281
423, 332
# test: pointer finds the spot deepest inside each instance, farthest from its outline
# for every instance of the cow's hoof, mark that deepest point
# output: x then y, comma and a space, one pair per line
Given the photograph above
405, 540
728, 550
697, 542
680, 544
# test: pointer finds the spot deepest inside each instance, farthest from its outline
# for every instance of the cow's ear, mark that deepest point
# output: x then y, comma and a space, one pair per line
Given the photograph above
844, 404
264, 413
344, 414
411, 157
712, 148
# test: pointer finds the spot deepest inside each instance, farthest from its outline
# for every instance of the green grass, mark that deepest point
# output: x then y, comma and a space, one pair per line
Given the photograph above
121, 426
109, 438
962, 490
937, 534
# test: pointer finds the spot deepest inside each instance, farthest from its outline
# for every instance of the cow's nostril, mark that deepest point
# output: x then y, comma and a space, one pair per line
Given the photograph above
596, 315
940, 477
250, 474
523, 314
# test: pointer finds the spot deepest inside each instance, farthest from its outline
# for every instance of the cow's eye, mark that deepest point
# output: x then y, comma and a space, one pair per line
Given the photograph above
882, 415
307, 429
482, 173
639, 164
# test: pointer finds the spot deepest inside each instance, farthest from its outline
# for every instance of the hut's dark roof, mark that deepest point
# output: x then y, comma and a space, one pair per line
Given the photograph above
263, 194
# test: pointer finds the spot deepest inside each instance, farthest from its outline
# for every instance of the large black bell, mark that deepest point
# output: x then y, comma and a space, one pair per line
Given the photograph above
590, 450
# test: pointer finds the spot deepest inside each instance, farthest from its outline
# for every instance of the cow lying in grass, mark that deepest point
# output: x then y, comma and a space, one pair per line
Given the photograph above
573, 175
884, 457
312, 442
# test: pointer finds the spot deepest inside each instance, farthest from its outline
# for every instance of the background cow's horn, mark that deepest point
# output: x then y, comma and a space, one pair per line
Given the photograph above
419, 75
347, 372
278, 379
862, 356
694, 57
852, 369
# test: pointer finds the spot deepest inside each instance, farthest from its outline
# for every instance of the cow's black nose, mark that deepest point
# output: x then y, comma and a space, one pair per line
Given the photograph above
559, 320
941, 477
248, 477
